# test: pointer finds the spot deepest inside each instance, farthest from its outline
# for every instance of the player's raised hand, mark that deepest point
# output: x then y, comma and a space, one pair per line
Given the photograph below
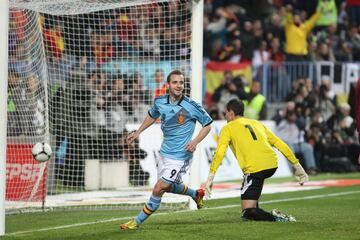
132, 137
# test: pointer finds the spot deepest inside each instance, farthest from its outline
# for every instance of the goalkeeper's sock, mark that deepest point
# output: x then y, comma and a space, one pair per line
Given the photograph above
151, 206
257, 214
180, 188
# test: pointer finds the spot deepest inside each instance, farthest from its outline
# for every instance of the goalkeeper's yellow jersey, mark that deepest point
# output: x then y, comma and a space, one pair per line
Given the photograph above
251, 143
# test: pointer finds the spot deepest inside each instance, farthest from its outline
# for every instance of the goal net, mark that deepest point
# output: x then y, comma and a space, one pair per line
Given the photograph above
82, 74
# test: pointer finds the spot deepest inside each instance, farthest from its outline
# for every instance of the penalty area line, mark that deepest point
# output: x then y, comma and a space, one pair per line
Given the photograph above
165, 213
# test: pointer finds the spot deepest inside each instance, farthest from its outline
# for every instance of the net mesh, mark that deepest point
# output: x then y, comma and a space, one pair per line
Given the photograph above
82, 74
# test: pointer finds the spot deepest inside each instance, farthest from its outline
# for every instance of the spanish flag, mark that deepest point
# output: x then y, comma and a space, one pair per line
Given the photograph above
214, 74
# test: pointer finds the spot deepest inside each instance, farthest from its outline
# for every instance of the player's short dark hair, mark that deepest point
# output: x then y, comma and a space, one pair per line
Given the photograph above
174, 72
236, 106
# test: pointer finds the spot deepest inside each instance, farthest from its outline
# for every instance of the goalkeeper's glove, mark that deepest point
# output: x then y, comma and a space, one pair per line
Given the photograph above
209, 185
300, 174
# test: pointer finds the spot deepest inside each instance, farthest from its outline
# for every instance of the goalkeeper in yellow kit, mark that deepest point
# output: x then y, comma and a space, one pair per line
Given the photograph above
252, 144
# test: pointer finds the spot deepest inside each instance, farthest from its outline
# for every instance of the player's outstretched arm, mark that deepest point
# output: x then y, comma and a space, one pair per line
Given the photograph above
300, 173
148, 121
219, 154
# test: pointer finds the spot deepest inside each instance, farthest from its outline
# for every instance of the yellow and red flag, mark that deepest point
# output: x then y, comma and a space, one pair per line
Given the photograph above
214, 74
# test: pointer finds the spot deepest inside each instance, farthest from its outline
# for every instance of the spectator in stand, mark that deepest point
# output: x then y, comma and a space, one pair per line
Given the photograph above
300, 99
261, 56
231, 52
342, 20
329, 91
325, 102
343, 133
341, 124
276, 54
353, 10
183, 42
139, 89
15, 105
71, 120
289, 131
345, 112
151, 42
281, 113
278, 76
255, 104
229, 39
119, 95
310, 98
343, 52
102, 46
160, 84
230, 88
330, 36
275, 28
109, 102
296, 85
258, 31
248, 39
324, 53
168, 44
312, 49
34, 97
353, 39
127, 27
296, 33
116, 116
315, 136
176, 12
329, 16
98, 89
213, 34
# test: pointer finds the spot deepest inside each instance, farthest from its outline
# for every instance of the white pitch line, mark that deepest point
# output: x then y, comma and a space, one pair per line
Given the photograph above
158, 214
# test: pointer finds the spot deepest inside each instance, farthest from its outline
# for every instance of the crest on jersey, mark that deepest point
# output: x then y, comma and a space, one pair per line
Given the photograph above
180, 118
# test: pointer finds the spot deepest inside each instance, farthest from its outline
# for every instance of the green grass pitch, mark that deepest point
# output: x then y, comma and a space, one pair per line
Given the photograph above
327, 213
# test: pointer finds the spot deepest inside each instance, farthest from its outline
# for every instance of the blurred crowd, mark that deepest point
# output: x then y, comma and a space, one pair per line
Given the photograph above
284, 30
91, 105
91, 97
317, 127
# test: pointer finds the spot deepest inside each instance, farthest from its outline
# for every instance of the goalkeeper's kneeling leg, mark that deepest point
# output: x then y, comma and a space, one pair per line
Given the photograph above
257, 214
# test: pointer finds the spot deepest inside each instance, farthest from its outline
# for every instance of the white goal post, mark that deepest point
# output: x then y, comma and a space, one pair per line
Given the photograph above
196, 83
4, 23
80, 73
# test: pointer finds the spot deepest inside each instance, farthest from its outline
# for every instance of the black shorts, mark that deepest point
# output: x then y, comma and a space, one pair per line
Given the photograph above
253, 183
